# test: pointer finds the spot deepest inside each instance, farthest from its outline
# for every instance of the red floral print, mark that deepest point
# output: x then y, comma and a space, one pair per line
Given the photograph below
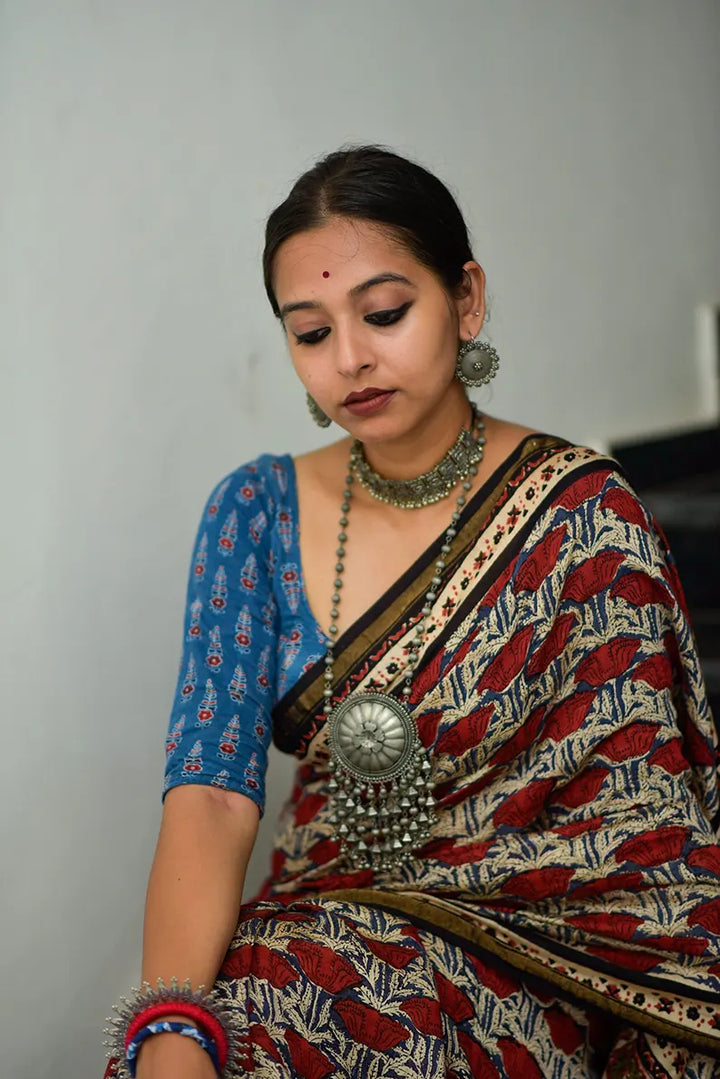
509, 662
368, 1026
654, 848
539, 883
607, 661
324, 966
308, 1061
540, 562
466, 733
592, 576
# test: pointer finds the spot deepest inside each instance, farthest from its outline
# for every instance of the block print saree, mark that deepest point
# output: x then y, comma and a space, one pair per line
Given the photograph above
563, 920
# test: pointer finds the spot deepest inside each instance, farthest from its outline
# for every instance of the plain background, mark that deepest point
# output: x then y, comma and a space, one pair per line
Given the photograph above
143, 145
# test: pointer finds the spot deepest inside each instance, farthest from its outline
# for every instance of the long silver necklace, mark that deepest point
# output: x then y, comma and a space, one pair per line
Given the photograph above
380, 775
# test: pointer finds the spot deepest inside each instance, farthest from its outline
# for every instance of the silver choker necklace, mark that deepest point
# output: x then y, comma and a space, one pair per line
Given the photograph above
431, 486
380, 776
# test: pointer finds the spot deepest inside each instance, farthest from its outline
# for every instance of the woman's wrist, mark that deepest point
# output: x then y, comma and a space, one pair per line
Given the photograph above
171, 1056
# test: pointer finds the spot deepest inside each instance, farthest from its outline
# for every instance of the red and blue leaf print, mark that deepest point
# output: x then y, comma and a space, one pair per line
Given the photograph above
583, 789
324, 966
523, 738
466, 733
243, 630
640, 589
626, 506
263, 962
425, 1015
508, 663
631, 741
706, 915
501, 983
656, 670
307, 1060
568, 716
518, 1061
395, 955
670, 757
522, 807
592, 576
607, 661
553, 645
539, 883
208, 704
249, 573
481, 1066
583, 489
540, 562
237, 687
369, 1027
654, 848
453, 1001
564, 1031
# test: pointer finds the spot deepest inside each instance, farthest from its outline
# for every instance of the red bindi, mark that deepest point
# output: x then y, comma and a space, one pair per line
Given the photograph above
326, 273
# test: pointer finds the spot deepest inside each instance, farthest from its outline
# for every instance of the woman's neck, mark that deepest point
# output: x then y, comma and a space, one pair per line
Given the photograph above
421, 448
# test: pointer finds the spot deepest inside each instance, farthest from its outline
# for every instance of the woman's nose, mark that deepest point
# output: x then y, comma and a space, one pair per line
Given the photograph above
351, 356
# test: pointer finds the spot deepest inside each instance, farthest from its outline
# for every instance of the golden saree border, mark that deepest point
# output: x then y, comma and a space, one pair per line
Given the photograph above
699, 1031
371, 653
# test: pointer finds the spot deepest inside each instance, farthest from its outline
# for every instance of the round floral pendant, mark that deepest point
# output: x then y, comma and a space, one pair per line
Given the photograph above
380, 781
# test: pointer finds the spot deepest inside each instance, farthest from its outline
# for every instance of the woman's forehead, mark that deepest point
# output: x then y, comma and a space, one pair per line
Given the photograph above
342, 252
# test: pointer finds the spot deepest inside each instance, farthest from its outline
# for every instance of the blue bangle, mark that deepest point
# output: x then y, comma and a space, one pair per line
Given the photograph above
166, 1027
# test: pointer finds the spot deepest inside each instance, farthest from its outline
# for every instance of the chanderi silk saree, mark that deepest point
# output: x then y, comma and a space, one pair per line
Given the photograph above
563, 920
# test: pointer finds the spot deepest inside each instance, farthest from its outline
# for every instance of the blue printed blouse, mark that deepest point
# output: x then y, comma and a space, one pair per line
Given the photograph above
248, 632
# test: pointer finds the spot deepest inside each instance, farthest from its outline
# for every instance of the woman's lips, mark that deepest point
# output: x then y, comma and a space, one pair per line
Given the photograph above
369, 405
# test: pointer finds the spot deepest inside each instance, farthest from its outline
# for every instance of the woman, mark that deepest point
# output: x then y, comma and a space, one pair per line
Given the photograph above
499, 857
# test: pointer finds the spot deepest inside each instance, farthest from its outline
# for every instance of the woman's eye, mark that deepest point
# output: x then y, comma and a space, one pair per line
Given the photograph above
377, 318
386, 318
312, 337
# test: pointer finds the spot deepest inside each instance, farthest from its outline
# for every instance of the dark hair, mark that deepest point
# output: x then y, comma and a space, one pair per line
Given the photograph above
371, 183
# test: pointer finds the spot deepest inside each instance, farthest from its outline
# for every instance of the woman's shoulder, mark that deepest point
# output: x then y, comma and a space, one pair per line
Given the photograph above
257, 485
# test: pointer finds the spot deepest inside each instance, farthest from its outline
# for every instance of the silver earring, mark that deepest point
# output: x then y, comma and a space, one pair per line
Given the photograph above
477, 362
319, 417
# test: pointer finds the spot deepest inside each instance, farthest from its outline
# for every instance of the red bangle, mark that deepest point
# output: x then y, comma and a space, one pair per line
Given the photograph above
207, 1023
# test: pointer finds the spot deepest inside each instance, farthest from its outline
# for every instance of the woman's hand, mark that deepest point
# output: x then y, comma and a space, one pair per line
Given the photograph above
173, 1056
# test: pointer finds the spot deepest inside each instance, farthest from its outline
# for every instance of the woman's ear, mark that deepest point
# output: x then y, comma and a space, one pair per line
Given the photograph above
471, 302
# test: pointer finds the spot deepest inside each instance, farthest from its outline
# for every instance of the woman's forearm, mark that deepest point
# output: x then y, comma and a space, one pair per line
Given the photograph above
195, 888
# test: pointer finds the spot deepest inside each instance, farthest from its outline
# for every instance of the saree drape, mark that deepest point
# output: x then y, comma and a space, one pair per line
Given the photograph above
563, 919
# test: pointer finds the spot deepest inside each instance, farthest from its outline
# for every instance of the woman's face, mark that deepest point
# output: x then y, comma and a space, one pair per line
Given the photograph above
378, 355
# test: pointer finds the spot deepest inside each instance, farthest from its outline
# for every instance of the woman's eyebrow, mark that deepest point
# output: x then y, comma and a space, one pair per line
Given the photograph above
356, 290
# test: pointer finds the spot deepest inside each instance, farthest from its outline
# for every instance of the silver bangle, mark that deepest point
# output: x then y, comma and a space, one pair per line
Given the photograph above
239, 1052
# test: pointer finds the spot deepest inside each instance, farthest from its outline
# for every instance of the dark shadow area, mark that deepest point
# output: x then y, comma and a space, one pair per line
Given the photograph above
678, 478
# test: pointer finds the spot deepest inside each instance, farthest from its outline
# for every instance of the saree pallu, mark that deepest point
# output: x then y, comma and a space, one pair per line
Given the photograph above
563, 920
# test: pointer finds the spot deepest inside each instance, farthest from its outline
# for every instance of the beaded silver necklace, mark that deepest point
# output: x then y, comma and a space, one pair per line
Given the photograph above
380, 776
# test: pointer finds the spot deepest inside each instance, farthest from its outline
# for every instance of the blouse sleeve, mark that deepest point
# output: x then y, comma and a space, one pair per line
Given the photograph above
220, 727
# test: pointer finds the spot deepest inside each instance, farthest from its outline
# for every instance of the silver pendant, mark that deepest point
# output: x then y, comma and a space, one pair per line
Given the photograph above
380, 781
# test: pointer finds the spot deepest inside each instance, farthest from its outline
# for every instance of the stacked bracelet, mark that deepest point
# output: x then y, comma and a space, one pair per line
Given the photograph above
162, 1026
206, 1018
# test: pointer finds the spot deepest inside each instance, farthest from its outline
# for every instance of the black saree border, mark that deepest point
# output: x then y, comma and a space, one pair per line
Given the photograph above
458, 929
297, 707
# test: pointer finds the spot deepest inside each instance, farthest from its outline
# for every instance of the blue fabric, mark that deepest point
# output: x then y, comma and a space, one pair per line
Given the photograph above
163, 1026
248, 632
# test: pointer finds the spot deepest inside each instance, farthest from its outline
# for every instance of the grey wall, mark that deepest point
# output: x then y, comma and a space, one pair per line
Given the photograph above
143, 144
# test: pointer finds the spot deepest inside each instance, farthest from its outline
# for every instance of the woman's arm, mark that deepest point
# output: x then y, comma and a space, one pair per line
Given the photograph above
193, 898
